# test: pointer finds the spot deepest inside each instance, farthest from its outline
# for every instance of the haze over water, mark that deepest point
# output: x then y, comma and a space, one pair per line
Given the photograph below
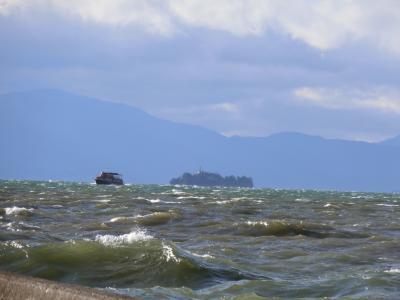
175, 242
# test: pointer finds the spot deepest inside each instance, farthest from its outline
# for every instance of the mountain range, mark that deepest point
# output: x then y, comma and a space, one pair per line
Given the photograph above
51, 134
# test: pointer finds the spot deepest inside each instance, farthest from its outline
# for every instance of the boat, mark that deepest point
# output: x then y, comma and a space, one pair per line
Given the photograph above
109, 178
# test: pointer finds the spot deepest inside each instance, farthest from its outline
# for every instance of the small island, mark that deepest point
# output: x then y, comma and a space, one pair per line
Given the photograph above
203, 178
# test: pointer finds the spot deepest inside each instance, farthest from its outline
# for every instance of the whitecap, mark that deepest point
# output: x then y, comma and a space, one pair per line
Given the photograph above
168, 254
177, 192
227, 201
223, 201
153, 200
202, 255
15, 210
161, 201
302, 200
11, 227
29, 226
387, 205
393, 271
191, 197
103, 200
156, 218
15, 244
118, 240
122, 219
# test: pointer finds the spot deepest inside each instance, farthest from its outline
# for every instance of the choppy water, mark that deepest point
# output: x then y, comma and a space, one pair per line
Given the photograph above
170, 242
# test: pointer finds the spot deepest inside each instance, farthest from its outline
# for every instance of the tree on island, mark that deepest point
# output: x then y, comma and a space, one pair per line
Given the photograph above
203, 178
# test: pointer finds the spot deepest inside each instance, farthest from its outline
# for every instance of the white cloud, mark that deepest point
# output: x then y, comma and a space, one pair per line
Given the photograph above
235, 16
324, 24
380, 99
151, 15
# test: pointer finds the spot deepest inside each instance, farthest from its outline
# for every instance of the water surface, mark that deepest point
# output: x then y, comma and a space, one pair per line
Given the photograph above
174, 242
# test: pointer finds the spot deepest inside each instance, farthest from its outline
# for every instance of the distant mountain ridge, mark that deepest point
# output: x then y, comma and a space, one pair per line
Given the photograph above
62, 136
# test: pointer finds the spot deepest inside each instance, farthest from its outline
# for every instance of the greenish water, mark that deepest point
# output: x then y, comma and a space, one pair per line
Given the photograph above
173, 242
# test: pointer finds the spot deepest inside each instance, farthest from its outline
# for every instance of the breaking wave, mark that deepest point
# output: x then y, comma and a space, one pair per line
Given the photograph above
129, 238
17, 211
152, 219
117, 260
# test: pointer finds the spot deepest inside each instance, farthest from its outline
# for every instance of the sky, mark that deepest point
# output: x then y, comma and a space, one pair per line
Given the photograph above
239, 67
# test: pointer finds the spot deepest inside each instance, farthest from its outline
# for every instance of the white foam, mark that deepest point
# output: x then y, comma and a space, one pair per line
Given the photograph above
154, 200
222, 201
122, 219
177, 192
202, 255
161, 201
191, 197
124, 239
255, 223
10, 227
302, 200
168, 254
15, 244
103, 200
15, 210
387, 205
393, 271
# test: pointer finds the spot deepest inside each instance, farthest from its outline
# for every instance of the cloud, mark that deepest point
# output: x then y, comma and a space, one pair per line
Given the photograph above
323, 25
151, 15
226, 117
226, 107
238, 67
382, 99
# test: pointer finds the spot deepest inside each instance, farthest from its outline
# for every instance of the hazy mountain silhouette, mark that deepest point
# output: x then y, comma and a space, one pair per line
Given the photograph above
56, 135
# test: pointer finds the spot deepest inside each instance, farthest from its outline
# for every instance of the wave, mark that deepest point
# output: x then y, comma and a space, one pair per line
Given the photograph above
129, 260
393, 271
387, 205
156, 218
162, 201
123, 220
129, 238
285, 228
152, 219
15, 210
